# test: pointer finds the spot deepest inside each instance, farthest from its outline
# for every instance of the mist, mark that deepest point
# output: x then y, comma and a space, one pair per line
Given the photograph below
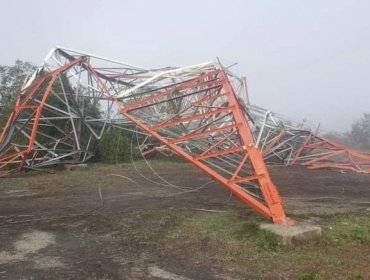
307, 60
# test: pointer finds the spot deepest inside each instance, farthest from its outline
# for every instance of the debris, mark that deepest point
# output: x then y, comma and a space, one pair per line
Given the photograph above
211, 210
101, 197
283, 140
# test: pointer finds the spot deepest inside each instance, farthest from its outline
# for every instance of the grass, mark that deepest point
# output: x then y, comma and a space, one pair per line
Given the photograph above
231, 241
159, 227
309, 276
235, 241
232, 230
95, 174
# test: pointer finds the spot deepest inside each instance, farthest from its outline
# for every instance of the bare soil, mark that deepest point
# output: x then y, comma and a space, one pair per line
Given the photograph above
109, 222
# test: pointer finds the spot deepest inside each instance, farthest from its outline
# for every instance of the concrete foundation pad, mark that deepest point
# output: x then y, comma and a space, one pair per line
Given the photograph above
298, 232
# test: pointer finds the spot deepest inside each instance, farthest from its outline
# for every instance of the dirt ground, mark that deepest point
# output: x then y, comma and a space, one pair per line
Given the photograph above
112, 222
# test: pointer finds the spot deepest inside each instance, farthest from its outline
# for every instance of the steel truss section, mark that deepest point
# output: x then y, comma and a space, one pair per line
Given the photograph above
289, 142
194, 111
60, 111
200, 119
315, 152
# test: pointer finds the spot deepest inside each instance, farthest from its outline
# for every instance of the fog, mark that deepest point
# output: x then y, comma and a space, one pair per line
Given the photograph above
304, 59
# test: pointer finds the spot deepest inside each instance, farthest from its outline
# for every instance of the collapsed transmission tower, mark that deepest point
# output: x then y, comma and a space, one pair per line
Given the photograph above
197, 112
194, 111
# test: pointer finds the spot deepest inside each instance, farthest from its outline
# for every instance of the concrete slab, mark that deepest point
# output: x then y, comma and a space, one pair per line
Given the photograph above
300, 231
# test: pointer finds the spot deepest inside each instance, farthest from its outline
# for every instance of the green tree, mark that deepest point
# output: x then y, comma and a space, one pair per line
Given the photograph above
340, 138
11, 80
360, 132
114, 146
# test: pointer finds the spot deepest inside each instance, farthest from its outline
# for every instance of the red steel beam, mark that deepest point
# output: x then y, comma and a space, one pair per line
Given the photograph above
272, 205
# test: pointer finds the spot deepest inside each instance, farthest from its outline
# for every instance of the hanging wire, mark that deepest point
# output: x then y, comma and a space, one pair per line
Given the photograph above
163, 179
168, 184
165, 182
151, 168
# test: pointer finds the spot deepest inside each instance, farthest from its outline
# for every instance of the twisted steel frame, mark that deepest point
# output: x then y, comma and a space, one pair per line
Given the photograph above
283, 140
194, 111
197, 112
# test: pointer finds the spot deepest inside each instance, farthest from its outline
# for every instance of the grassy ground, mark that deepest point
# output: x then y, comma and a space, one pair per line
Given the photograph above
141, 224
234, 244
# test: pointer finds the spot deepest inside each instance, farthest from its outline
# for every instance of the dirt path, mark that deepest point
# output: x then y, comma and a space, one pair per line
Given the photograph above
90, 224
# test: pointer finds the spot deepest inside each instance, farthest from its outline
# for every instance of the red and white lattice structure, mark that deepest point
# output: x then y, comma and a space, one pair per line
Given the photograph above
283, 140
196, 112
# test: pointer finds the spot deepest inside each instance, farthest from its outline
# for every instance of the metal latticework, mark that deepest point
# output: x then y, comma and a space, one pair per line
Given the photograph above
282, 140
200, 119
197, 112
194, 111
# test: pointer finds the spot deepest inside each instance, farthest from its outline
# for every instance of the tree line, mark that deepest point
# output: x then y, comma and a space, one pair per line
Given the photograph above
358, 137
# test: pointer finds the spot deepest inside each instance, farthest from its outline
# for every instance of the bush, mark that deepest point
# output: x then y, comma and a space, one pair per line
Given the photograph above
114, 146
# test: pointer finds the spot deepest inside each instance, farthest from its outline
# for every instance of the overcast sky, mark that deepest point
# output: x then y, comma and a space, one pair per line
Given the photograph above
304, 59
